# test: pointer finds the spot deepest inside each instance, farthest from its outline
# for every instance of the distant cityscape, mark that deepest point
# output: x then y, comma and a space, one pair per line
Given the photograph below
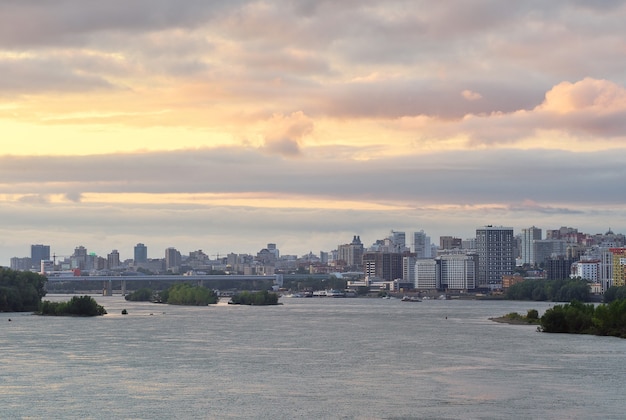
493, 260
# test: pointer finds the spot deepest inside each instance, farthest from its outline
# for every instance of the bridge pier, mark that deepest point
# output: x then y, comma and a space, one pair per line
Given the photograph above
107, 288
123, 287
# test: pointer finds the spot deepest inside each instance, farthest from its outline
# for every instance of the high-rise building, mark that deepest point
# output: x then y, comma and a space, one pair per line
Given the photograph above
383, 265
408, 269
351, 254
587, 270
421, 245
494, 246
21, 264
398, 241
606, 268
529, 236
558, 268
426, 274
619, 266
272, 248
38, 253
79, 258
141, 253
113, 259
457, 271
173, 259
545, 249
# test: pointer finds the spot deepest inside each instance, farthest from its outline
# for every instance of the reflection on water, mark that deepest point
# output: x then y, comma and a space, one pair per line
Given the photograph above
309, 358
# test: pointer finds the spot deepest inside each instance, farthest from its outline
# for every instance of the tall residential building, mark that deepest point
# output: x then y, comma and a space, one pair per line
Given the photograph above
619, 266
408, 269
494, 246
351, 254
383, 265
141, 253
173, 259
37, 253
113, 259
529, 236
558, 268
606, 268
548, 248
21, 264
421, 245
79, 258
587, 270
398, 241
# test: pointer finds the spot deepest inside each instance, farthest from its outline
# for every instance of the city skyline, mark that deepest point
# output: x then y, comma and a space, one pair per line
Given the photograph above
224, 126
129, 253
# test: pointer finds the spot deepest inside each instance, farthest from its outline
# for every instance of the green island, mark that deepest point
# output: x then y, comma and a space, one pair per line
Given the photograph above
607, 319
564, 290
141, 295
21, 291
186, 294
178, 294
531, 317
76, 306
261, 298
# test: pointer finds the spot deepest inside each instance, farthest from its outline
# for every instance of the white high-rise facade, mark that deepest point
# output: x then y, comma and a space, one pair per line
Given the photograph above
426, 274
457, 271
529, 236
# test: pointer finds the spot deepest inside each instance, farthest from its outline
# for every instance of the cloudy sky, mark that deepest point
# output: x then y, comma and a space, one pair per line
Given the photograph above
225, 125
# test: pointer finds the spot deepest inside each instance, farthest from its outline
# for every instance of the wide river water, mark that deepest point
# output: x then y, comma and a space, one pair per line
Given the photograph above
316, 358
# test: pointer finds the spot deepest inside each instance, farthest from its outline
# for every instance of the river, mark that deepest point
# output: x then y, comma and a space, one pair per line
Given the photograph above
316, 358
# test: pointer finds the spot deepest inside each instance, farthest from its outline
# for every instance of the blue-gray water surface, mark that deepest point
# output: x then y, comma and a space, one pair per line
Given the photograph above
317, 358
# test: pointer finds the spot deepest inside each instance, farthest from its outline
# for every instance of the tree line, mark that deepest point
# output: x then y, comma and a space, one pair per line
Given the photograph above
21, 291
580, 318
565, 290
177, 294
77, 306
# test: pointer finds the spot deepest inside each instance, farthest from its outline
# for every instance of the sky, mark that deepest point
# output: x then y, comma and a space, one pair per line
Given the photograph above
224, 126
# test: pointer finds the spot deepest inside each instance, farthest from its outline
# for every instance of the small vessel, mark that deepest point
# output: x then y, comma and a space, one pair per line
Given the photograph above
410, 299
293, 295
335, 293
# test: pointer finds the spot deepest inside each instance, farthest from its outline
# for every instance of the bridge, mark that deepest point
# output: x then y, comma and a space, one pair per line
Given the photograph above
107, 281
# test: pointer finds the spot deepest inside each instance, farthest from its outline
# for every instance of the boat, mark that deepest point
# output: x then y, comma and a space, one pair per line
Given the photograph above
294, 295
410, 299
335, 293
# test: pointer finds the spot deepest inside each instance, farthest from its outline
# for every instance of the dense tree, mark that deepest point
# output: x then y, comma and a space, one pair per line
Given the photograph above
255, 298
332, 282
20, 290
580, 318
142, 295
553, 290
77, 306
614, 293
186, 294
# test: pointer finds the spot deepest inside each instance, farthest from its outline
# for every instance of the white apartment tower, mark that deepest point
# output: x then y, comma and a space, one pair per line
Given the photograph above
529, 236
